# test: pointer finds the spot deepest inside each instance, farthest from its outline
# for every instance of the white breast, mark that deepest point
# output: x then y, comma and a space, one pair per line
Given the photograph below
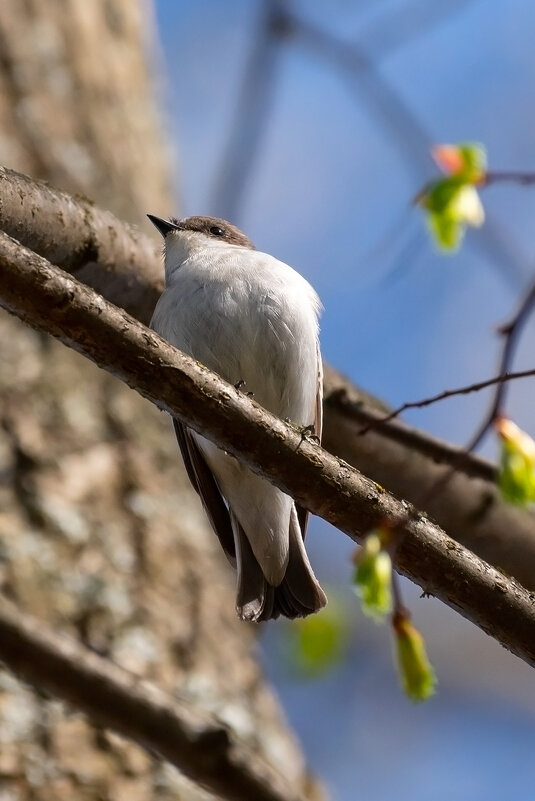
248, 317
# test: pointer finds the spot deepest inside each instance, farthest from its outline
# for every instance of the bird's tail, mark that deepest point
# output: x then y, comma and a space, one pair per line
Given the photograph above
298, 595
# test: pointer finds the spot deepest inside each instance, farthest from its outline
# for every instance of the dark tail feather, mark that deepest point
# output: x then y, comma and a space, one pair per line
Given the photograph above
299, 593
255, 597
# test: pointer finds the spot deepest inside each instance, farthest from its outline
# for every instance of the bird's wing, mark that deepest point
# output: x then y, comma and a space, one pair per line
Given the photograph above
304, 514
205, 485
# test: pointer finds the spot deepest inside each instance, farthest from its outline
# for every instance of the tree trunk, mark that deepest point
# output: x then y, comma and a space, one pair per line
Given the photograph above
99, 531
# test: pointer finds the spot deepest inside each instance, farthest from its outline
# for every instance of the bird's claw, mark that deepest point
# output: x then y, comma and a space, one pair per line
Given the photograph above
242, 383
308, 432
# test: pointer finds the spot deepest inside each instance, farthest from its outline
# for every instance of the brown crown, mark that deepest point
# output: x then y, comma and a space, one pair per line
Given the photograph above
215, 228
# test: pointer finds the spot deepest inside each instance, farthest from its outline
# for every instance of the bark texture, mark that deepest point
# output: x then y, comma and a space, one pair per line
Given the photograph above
200, 745
99, 533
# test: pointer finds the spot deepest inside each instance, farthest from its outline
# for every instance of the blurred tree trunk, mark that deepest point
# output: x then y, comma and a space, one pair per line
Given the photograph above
99, 531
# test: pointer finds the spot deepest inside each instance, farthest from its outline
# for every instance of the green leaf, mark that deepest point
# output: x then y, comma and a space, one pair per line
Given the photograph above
452, 203
474, 158
372, 579
446, 231
440, 195
318, 642
415, 671
516, 478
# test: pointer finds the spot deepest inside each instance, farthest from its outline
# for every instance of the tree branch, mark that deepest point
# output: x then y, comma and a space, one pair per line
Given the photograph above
111, 256
373, 420
410, 463
126, 267
50, 300
199, 745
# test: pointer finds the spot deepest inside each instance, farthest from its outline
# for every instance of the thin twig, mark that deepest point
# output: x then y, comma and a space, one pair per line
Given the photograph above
435, 449
508, 177
511, 332
449, 393
52, 301
409, 462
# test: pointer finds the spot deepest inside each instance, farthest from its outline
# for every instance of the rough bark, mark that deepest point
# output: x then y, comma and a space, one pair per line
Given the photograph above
200, 745
77, 100
99, 532
50, 299
113, 257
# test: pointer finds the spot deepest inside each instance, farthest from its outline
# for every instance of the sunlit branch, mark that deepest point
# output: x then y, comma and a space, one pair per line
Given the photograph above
52, 301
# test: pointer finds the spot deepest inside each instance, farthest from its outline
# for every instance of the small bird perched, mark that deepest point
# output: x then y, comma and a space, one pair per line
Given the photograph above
254, 321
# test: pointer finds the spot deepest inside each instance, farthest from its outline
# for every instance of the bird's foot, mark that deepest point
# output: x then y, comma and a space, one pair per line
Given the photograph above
240, 384
307, 432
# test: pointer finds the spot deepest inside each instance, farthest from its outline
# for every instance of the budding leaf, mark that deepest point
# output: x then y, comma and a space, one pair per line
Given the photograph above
516, 478
416, 672
372, 579
452, 203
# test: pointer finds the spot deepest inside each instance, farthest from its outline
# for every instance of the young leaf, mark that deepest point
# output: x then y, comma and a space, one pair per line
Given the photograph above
516, 478
452, 203
415, 671
318, 641
373, 577
446, 231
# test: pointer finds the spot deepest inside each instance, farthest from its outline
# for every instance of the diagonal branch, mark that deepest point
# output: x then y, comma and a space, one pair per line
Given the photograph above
199, 745
125, 266
47, 298
90, 243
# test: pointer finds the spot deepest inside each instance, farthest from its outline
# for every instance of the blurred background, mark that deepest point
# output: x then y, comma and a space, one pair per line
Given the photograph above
308, 124
317, 154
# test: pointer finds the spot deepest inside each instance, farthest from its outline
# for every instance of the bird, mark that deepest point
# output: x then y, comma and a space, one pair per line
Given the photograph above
254, 321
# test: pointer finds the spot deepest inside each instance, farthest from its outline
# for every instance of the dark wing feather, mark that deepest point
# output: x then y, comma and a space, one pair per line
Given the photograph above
205, 485
304, 514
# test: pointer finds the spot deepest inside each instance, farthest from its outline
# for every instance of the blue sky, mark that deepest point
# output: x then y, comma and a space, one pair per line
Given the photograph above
329, 192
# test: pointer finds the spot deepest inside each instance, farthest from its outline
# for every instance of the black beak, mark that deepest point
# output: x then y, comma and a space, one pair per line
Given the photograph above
163, 226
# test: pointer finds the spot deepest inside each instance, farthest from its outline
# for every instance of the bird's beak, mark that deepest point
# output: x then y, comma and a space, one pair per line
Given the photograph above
163, 226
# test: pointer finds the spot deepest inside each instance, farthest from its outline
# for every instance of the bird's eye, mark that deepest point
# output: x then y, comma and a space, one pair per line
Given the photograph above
217, 231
